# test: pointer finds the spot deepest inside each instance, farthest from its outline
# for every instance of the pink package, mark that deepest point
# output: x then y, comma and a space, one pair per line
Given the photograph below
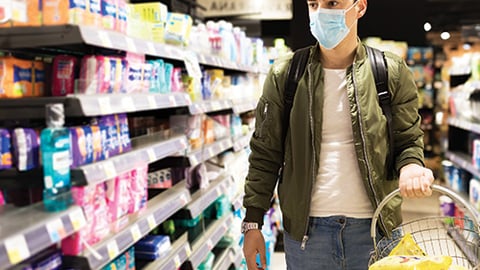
118, 200
94, 75
121, 22
176, 80
135, 77
2, 199
92, 200
105, 77
138, 188
63, 75
147, 76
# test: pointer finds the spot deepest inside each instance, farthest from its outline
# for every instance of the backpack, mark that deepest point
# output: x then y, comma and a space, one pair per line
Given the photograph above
379, 68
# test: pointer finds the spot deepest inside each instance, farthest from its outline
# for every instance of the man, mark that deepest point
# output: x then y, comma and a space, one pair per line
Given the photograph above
334, 155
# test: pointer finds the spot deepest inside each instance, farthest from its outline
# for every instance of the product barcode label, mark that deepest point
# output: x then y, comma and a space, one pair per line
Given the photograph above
151, 155
56, 230
188, 250
112, 249
17, 249
136, 234
177, 261
78, 219
109, 169
151, 222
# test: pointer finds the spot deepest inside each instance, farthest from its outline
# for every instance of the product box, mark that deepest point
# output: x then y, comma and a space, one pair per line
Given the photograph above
177, 30
474, 193
94, 13
65, 12
160, 179
16, 78
154, 15
5, 150
25, 145
26, 12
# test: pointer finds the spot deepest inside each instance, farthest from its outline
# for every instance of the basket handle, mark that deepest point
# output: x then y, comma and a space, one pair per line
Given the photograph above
443, 190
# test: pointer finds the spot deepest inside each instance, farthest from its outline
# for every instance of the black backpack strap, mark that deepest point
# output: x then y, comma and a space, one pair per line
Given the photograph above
380, 73
295, 71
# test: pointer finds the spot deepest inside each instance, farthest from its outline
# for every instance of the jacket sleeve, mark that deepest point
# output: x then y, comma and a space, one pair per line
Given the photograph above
266, 155
408, 135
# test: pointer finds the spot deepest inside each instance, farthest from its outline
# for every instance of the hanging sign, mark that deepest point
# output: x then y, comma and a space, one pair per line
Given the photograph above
248, 9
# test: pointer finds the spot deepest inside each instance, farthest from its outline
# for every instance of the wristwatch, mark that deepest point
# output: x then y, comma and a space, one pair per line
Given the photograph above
247, 226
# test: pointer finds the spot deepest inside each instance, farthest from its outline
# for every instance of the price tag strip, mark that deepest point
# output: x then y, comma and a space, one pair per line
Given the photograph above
112, 249
56, 230
136, 234
17, 249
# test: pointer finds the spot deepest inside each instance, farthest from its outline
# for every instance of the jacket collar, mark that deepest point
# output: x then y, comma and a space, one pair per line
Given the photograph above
360, 55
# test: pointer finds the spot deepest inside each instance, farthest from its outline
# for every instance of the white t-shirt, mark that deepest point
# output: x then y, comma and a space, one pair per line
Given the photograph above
339, 188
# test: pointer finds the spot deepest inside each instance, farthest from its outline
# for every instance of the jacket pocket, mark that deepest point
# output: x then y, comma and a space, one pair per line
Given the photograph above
262, 119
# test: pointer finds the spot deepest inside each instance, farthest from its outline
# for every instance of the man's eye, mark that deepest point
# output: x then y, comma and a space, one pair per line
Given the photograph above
313, 5
332, 4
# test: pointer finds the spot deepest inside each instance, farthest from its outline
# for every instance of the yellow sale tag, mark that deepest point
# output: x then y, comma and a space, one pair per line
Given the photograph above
136, 234
78, 219
17, 249
151, 222
112, 249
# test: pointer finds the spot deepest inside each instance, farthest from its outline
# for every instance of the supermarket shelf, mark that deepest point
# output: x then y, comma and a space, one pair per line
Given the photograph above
464, 124
237, 257
178, 255
29, 230
28, 37
91, 105
237, 202
209, 151
209, 239
239, 143
464, 161
223, 260
145, 149
202, 198
158, 209
245, 105
209, 106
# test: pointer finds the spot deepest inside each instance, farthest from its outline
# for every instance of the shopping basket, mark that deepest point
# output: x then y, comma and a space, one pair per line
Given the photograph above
457, 237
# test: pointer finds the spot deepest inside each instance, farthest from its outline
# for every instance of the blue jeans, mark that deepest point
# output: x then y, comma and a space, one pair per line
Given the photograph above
335, 242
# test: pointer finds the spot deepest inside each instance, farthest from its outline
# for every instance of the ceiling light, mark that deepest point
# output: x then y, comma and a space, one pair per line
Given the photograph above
467, 46
427, 26
445, 35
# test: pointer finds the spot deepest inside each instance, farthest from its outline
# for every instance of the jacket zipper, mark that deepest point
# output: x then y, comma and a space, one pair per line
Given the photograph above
265, 112
310, 110
362, 134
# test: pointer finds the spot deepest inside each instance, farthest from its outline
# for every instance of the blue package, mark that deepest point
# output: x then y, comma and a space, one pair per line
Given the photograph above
153, 244
5, 150
78, 149
168, 78
121, 122
112, 137
150, 256
89, 158
25, 144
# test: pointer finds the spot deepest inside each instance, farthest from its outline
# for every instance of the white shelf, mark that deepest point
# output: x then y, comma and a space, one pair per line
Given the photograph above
209, 240
158, 209
209, 106
203, 198
209, 151
145, 149
178, 255
28, 230
244, 105
464, 124
464, 161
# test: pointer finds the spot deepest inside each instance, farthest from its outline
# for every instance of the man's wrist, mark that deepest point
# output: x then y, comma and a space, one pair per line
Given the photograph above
248, 226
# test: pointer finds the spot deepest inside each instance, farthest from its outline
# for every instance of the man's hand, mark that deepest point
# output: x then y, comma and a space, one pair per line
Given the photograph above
415, 181
254, 243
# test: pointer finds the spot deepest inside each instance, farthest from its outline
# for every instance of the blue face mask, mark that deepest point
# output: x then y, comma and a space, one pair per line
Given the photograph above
329, 26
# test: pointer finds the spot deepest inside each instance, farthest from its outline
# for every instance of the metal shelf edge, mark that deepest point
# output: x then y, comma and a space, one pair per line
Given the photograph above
203, 198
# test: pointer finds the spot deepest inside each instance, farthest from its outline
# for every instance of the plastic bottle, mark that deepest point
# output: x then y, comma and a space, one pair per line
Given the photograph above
55, 149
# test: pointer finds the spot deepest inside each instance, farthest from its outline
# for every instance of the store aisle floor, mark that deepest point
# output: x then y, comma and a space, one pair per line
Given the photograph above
412, 210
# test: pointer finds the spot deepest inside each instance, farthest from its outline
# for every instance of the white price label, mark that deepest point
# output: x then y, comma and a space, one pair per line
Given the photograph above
112, 249
172, 100
210, 244
151, 222
193, 160
210, 151
192, 65
78, 219
183, 199
151, 48
56, 230
104, 104
104, 39
152, 102
109, 169
188, 250
177, 261
216, 105
128, 104
151, 155
17, 249
219, 191
136, 234
131, 45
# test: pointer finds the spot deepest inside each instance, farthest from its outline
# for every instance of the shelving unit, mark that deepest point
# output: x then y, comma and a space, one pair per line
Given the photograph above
29, 230
40, 229
208, 240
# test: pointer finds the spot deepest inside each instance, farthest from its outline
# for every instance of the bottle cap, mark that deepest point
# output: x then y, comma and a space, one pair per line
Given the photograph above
55, 115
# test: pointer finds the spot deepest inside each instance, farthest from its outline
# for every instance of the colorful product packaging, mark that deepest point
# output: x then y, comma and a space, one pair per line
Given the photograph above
94, 13
118, 201
177, 30
160, 179
78, 147
57, 12
95, 75
5, 150
138, 189
134, 82
97, 143
109, 14
26, 12
112, 137
25, 144
38, 79
63, 75
125, 143
147, 77
154, 16
15, 77
122, 11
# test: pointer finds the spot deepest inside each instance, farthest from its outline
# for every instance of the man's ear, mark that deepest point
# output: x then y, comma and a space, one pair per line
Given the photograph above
361, 8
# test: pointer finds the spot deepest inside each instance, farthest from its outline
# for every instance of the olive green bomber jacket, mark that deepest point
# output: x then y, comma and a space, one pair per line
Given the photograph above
301, 151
